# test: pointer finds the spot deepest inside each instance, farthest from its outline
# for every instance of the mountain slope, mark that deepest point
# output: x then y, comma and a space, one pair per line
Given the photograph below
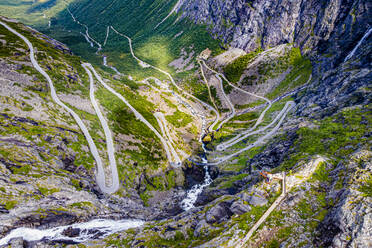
290, 94
45, 156
159, 46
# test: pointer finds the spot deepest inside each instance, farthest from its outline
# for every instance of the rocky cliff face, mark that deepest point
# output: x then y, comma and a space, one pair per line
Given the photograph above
326, 31
267, 23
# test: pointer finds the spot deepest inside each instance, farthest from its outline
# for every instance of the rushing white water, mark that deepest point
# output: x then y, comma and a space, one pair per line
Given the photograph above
351, 54
197, 189
87, 231
105, 61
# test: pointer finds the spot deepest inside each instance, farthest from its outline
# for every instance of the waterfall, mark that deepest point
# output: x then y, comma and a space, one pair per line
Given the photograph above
351, 54
196, 190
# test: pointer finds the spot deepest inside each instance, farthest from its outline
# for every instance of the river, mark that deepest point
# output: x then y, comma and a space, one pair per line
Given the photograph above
82, 232
197, 189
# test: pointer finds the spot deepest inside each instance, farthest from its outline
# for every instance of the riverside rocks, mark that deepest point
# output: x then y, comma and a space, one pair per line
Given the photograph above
218, 213
71, 232
16, 243
202, 225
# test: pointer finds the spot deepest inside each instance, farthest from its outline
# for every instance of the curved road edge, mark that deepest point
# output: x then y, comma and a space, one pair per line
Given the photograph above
137, 114
109, 141
55, 98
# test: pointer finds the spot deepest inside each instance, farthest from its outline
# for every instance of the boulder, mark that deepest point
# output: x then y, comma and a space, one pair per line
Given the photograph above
208, 195
239, 208
255, 200
16, 242
71, 232
218, 213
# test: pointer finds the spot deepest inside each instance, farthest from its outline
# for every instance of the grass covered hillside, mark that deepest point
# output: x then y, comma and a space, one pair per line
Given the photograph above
37, 13
42, 145
158, 46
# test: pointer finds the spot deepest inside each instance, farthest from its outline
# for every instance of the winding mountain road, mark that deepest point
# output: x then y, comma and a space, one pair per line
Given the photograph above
179, 2
109, 142
100, 172
107, 35
166, 139
260, 118
289, 105
137, 114
245, 135
215, 109
163, 126
167, 146
86, 35
231, 106
146, 65
241, 136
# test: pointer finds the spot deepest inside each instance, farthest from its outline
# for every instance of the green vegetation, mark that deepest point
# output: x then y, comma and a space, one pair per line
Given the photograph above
145, 197
366, 186
43, 132
10, 204
32, 12
234, 70
47, 191
142, 151
229, 182
198, 88
23, 170
136, 19
76, 184
82, 205
171, 179
299, 75
336, 136
179, 119
250, 105
321, 173
227, 87
298, 67
246, 117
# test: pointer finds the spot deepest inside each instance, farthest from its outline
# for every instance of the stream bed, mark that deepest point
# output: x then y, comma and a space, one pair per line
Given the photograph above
197, 189
75, 233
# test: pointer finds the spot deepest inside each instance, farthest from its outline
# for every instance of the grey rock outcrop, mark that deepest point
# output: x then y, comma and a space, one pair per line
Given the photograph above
326, 31
218, 213
16, 243
267, 23
349, 222
239, 208
254, 200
